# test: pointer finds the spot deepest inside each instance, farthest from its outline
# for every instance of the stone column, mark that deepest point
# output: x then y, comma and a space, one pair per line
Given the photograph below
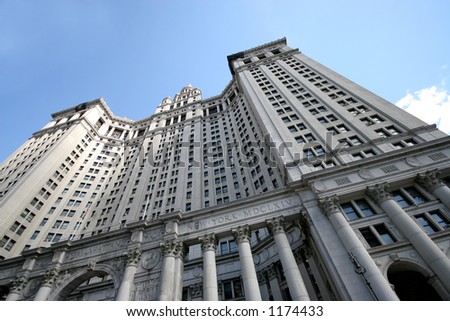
133, 257
209, 244
170, 250
46, 288
294, 279
242, 236
432, 182
381, 288
17, 286
179, 272
428, 250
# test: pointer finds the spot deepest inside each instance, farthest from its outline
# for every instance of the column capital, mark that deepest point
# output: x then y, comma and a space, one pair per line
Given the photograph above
276, 225
18, 284
241, 234
173, 248
50, 277
208, 242
379, 192
329, 204
430, 180
133, 256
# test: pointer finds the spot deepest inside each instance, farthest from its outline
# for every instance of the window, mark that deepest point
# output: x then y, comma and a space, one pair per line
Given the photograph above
432, 221
440, 219
409, 196
228, 246
415, 194
232, 289
357, 209
7, 243
426, 224
377, 235
400, 199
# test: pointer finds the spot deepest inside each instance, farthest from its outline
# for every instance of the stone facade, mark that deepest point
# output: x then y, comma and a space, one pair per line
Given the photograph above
293, 184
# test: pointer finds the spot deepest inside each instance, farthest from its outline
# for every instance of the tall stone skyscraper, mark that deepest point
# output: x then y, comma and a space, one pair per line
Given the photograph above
294, 183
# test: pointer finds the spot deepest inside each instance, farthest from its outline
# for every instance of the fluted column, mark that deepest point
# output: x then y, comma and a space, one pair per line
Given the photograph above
381, 288
242, 236
428, 250
294, 279
170, 250
432, 182
133, 257
209, 244
46, 288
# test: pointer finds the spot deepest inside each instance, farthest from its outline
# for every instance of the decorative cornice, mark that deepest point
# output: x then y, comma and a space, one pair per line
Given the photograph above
329, 204
430, 180
208, 242
276, 225
241, 234
379, 192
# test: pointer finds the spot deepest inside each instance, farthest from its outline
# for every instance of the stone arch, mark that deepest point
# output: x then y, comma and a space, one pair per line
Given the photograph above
411, 282
74, 281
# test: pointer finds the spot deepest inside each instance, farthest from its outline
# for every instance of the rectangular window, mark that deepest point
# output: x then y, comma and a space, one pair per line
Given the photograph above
440, 219
357, 209
370, 237
426, 224
232, 289
401, 199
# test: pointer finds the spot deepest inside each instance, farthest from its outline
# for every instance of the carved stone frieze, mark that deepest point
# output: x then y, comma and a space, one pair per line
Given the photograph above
147, 290
196, 290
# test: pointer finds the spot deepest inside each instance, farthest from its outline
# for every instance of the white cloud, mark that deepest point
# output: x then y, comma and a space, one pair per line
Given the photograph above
432, 105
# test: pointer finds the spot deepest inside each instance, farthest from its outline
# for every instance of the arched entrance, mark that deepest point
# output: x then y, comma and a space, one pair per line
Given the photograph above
98, 284
410, 282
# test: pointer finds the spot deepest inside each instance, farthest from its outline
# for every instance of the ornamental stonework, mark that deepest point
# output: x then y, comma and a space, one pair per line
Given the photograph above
276, 225
430, 180
173, 248
208, 242
329, 204
379, 192
241, 234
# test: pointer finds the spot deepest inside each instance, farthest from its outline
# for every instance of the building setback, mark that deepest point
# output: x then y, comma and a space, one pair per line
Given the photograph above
293, 184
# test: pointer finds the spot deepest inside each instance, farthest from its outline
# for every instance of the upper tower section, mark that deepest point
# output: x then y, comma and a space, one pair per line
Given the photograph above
186, 96
256, 55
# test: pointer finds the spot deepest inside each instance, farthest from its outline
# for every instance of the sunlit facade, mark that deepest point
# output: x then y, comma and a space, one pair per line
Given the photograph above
294, 183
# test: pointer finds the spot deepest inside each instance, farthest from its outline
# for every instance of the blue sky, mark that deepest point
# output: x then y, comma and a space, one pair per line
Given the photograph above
56, 54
